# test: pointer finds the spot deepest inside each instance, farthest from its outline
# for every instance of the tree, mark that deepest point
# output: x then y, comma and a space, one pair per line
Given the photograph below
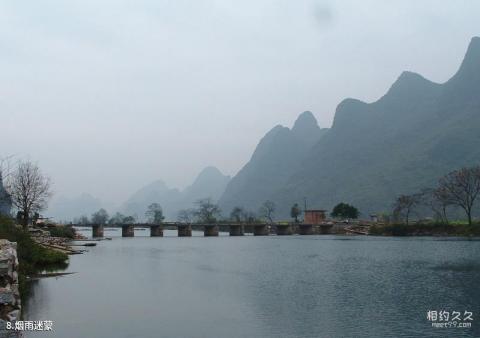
295, 212
154, 214
438, 200
29, 190
82, 220
100, 217
249, 217
267, 210
117, 218
237, 214
461, 188
405, 205
186, 215
207, 211
344, 210
129, 220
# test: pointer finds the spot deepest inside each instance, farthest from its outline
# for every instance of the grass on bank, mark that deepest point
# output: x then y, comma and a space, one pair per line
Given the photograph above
426, 229
32, 257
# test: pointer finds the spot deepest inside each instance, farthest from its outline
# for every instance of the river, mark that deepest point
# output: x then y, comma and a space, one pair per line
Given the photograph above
293, 286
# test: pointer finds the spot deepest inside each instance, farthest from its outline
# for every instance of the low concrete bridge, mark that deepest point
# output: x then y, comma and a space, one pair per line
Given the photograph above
212, 230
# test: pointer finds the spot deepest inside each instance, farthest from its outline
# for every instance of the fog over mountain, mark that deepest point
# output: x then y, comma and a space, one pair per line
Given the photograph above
108, 95
65, 208
210, 183
277, 157
417, 132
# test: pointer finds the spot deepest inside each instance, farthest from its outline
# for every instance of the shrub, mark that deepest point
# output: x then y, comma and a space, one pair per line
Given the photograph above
64, 231
32, 257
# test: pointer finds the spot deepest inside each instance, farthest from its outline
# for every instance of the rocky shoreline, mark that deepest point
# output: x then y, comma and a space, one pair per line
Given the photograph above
61, 244
10, 303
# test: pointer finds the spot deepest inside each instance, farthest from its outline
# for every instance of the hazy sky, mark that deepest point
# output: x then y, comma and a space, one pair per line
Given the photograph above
110, 95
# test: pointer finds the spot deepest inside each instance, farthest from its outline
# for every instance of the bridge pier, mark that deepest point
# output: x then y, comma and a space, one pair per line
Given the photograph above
261, 230
306, 229
97, 230
156, 230
128, 230
284, 230
237, 230
210, 230
184, 230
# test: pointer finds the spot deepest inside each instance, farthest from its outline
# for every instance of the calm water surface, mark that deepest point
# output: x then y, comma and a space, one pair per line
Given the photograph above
296, 286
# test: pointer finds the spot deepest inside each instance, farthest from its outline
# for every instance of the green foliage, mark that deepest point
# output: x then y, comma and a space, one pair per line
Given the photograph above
426, 229
344, 210
100, 217
154, 213
295, 211
236, 214
64, 231
31, 256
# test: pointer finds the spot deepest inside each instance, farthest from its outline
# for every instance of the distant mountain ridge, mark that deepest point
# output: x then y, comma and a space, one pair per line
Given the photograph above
278, 155
403, 142
210, 183
66, 209
418, 131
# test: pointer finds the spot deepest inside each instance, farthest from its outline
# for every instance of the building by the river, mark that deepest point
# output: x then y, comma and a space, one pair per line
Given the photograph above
314, 216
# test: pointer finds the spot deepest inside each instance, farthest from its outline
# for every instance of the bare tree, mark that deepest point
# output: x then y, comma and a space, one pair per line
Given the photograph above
207, 211
186, 215
117, 218
438, 200
236, 214
461, 188
249, 217
100, 217
29, 190
267, 210
82, 220
130, 219
154, 214
405, 205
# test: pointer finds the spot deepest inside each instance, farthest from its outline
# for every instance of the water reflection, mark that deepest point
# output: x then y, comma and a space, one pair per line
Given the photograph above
319, 286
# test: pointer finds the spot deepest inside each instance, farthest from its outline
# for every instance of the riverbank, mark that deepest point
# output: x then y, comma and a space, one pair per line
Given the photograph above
58, 238
33, 257
10, 302
245, 280
426, 229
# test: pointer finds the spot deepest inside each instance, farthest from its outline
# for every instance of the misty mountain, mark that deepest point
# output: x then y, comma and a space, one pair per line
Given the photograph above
66, 209
155, 192
209, 183
417, 132
277, 157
